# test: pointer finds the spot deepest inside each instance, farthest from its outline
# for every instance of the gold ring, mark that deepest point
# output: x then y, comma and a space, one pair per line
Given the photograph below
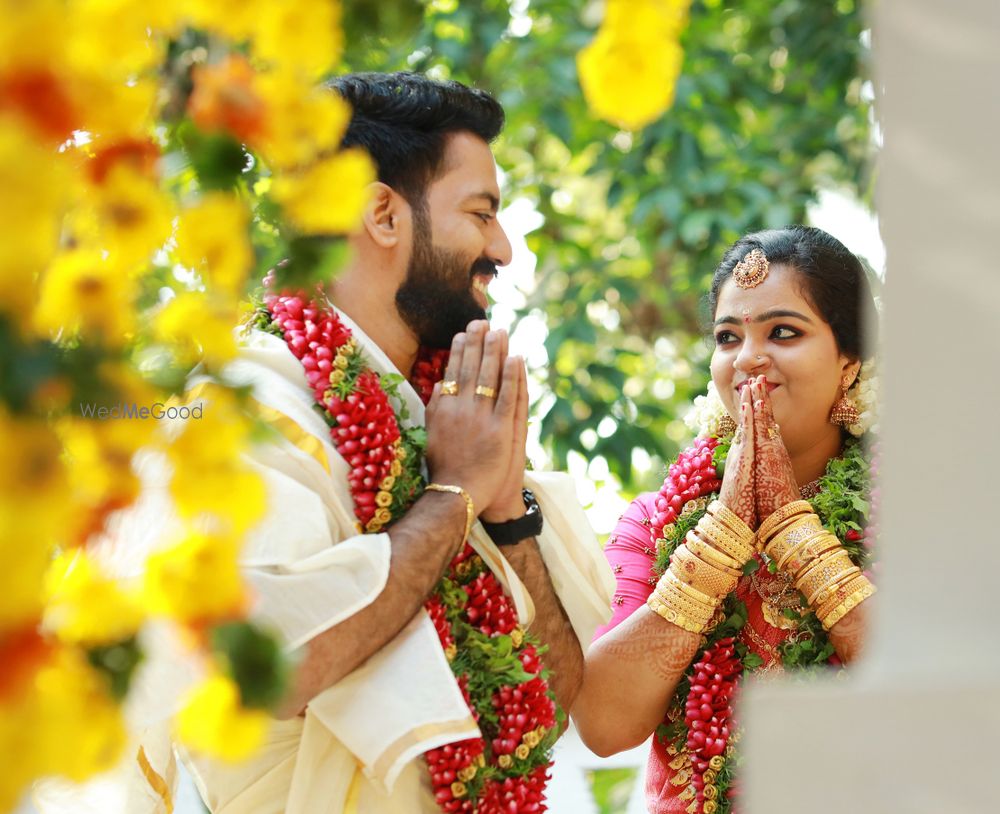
449, 388
483, 390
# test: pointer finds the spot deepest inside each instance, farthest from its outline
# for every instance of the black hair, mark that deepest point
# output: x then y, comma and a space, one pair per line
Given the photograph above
403, 120
835, 282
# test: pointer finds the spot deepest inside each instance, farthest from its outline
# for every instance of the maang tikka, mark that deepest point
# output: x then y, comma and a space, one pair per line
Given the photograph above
751, 271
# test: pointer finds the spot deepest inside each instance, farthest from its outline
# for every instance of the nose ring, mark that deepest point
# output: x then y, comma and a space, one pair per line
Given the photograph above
759, 357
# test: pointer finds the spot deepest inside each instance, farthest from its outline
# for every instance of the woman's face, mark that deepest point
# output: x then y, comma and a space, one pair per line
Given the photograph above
773, 330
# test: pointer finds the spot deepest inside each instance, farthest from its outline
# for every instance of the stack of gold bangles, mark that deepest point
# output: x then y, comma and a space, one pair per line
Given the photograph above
795, 540
703, 570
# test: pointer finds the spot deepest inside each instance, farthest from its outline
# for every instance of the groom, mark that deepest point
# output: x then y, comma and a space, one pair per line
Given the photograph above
373, 690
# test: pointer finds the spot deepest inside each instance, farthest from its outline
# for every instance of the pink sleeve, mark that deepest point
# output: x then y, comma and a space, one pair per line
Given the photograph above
631, 555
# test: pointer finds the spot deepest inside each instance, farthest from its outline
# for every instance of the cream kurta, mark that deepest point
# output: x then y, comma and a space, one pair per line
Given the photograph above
358, 747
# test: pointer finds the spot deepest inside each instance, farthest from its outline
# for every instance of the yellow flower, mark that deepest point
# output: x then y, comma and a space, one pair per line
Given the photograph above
629, 71
33, 513
199, 325
212, 238
34, 182
235, 19
134, 215
87, 607
196, 581
330, 196
134, 26
79, 728
210, 481
302, 120
98, 455
302, 34
84, 292
213, 722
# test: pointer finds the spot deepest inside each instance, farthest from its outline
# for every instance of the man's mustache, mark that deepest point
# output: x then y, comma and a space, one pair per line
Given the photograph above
483, 266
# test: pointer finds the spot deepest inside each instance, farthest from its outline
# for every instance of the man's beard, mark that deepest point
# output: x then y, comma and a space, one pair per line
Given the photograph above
436, 298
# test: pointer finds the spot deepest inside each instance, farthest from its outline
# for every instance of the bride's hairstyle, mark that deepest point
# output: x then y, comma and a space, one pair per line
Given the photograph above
834, 280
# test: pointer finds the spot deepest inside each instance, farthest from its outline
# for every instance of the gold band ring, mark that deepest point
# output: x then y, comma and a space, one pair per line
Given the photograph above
449, 388
489, 392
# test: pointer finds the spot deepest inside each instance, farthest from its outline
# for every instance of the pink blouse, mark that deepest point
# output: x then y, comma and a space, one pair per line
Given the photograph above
631, 556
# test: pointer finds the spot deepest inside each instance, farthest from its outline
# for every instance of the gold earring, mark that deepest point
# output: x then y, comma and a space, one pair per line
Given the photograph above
726, 425
844, 412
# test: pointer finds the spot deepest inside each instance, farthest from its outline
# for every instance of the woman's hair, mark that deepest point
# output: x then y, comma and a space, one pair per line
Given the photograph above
835, 282
403, 120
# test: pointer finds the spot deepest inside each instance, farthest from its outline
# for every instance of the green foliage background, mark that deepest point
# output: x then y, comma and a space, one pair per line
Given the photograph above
769, 109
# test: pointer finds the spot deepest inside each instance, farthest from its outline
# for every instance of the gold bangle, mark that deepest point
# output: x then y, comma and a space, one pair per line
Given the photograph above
806, 550
828, 562
724, 514
840, 593
716, 533
697, 607
708, 579
850, 603
470, 509
689, 589
711, 555
778, 546
825, 572
692, 610
671, 615
788, 510
821, 596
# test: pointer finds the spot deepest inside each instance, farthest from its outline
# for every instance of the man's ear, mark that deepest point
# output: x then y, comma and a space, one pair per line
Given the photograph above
385, 215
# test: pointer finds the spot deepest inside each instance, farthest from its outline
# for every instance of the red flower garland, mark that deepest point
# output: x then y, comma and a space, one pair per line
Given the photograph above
509, 773
708, 710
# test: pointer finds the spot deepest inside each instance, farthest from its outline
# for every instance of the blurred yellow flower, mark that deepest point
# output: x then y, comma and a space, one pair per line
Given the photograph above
84, 292
328, 197
85, 606
213, 239
302, 120
304, 35
33, 513
209, 477
197, 581
79, 729
33, 34
34, 181
629, 71
196, 324
134, 26
235, 19
133, 214
214, 723
111, 108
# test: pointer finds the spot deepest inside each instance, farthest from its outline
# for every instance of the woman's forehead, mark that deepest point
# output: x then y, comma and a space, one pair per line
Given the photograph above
782, 289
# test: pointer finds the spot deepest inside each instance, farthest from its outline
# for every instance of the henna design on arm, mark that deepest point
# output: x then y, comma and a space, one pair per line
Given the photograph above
665, 649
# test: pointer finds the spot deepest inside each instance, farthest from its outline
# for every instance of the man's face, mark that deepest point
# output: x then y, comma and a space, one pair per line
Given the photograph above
457, 245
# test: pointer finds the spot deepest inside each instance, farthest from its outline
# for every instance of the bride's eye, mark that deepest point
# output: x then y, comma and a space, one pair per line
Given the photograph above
725, 337
784, 332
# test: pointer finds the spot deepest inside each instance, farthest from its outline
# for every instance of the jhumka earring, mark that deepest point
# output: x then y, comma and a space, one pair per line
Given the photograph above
844, 412
726, 425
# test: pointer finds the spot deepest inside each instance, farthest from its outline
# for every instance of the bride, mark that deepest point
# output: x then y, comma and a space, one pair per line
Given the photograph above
765, 567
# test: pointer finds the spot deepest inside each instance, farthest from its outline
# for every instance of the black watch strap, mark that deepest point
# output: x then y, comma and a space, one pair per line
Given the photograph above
513, 531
